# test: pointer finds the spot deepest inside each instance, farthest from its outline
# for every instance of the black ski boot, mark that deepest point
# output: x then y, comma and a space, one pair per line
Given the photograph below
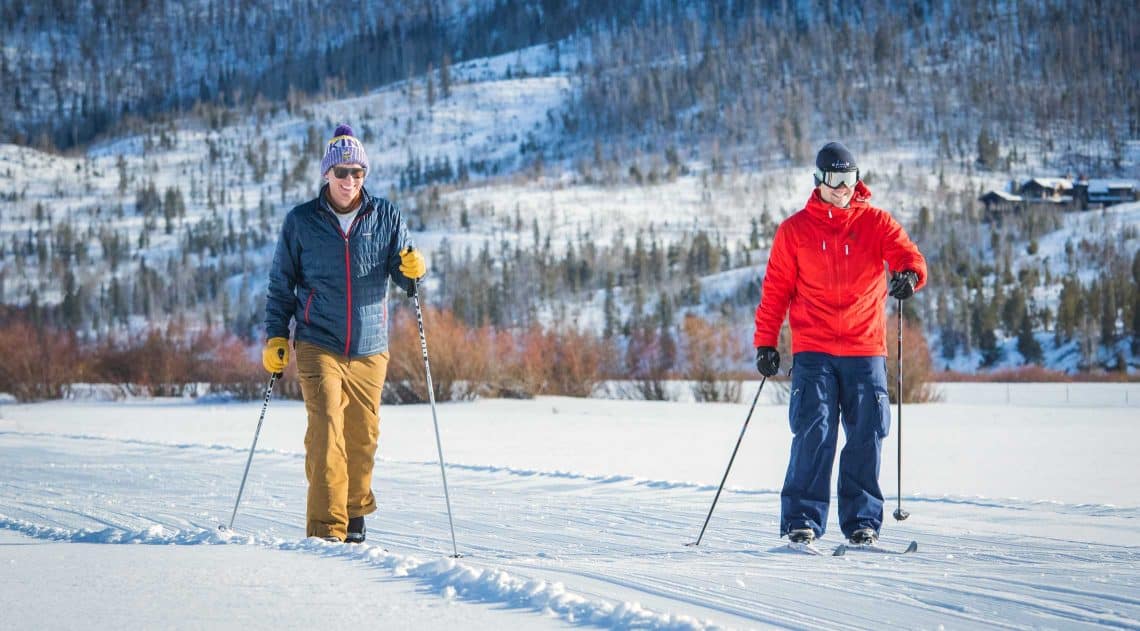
801, 535
864, 537
356, 530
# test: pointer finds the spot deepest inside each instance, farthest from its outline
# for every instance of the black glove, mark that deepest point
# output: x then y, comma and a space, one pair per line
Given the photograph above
767, 361
902, 284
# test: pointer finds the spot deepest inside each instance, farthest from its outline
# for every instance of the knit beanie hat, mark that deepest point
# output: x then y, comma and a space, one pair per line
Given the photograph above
344, 148
834, 157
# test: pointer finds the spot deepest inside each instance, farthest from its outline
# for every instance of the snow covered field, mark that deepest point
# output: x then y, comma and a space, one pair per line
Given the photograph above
568, 512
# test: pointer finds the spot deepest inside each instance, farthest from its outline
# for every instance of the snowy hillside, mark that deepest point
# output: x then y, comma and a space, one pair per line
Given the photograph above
527, 214
568, 512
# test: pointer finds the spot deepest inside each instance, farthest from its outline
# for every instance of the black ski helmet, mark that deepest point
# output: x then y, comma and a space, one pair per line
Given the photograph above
834, 157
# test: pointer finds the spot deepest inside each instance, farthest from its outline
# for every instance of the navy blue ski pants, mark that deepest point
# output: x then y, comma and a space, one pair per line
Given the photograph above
826, 390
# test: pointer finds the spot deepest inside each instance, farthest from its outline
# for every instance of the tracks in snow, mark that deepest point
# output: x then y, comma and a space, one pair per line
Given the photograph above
612, 540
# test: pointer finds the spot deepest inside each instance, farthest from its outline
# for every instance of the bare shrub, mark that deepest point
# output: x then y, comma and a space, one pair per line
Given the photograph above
649, 359
158, 364
39, 362
568, 363
228, 367
1021, 374
711, 353
462, 362
917, 365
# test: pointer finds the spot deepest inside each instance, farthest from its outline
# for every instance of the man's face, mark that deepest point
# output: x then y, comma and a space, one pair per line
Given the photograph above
345, 182
836, 196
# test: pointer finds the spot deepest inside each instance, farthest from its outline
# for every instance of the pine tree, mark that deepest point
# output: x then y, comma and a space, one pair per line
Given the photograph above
1134, 289
445, 76
1068, 310
983, 324
988, 150
609, 309
1027, 345
1108, 313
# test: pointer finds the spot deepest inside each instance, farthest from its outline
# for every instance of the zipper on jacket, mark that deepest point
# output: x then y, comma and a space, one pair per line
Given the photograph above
348, 283
309, 304
348, 296
364, 209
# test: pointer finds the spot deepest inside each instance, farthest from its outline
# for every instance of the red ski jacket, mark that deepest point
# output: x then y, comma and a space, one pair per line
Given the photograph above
826, 272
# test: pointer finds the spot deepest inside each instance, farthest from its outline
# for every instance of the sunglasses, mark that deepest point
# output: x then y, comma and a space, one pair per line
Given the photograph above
835, 179
342, 172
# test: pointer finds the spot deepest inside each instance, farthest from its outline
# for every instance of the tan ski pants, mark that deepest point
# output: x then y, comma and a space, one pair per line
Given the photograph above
342, 398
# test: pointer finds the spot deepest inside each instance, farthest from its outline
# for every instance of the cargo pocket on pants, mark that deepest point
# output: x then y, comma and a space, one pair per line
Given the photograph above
883, 403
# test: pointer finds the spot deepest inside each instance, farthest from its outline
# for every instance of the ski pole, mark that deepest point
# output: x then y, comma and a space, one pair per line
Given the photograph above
414, 294
899, 513
729, 468
264, 406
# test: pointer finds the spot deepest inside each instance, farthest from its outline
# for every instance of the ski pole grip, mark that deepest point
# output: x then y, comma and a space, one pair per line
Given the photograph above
415, 281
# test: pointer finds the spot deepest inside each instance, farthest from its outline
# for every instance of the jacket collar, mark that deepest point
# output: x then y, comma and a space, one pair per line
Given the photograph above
816, 207
366, 200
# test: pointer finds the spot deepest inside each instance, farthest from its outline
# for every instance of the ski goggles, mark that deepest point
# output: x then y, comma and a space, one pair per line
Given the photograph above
835, 179
342, 172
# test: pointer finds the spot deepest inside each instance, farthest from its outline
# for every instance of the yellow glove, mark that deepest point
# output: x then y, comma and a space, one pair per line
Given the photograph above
412, 263
275, 357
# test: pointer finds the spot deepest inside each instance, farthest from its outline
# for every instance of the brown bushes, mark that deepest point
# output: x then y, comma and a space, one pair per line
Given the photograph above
917, 365
469, 362
42, 362
1036, 374
570, 363
37, 363
172, 362
461, 358
466, 362
711, 353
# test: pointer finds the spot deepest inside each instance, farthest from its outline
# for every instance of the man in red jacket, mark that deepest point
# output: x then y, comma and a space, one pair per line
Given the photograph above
826, 273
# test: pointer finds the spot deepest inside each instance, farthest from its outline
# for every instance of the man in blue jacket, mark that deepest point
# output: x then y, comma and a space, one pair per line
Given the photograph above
330, 277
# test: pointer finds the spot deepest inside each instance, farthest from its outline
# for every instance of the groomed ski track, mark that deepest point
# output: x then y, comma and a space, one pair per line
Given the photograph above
603, 551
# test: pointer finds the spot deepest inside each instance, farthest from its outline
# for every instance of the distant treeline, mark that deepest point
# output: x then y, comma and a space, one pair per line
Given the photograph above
755, 76
69, 78
760, 80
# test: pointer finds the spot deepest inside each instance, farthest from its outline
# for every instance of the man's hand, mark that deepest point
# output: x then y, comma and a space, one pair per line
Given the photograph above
275, 356
412, 263
902, 284
767, 361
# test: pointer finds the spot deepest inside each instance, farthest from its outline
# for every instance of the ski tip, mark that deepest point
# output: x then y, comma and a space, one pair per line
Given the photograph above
913, 547
840, 550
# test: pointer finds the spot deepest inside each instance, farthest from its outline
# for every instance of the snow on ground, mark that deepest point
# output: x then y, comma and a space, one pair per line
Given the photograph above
568, 512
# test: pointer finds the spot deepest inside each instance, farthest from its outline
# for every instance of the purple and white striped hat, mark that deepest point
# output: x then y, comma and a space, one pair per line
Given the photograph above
344, 148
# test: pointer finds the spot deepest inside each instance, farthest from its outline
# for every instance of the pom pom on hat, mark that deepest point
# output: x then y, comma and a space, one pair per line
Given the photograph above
344, 148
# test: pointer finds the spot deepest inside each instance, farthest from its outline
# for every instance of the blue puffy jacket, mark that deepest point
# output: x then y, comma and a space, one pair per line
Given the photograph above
335, 285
